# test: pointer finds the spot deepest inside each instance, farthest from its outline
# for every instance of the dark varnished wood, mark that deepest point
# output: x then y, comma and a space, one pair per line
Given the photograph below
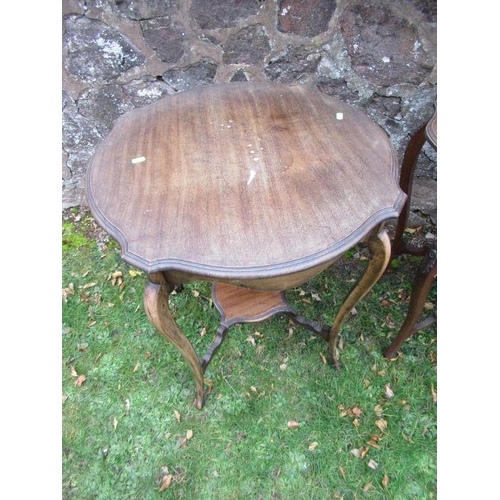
427, 271
254, 185
426, 133
424, 278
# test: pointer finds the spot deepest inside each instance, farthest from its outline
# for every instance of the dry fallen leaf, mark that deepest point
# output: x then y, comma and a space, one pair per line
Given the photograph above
357, 411
251, 340
367, 486
373, 444
323, 358
388, 392
177, 416
64, 398
166, 482
66, 292
434, 394
378, 410
313, 446
381, 424
359, 452
342, 410
385, 481
292, 424
127, 406
372, 464
115, 423
80, 380
189, 435
342, 471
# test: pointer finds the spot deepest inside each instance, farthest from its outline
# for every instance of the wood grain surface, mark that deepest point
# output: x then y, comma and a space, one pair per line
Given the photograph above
242, 181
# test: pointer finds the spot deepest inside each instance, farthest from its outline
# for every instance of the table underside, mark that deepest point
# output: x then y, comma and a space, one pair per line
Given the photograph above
241, 305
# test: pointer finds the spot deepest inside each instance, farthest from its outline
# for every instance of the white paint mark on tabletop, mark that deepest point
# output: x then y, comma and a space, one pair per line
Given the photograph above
139, 159
253, 173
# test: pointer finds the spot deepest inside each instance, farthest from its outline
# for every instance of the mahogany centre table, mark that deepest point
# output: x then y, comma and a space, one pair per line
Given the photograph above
255, 187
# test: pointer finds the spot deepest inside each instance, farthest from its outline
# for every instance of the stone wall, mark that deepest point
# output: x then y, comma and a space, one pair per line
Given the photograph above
379, 56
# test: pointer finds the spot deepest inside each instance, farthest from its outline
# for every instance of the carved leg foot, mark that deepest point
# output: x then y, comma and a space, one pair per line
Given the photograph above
157, 309
380, 248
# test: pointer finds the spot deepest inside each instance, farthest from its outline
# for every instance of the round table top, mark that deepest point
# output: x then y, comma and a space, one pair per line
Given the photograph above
242, 180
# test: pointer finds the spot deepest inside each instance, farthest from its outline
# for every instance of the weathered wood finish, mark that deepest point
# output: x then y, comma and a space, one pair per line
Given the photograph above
258, 185
157, 308
243, 181
380, 248
242, 305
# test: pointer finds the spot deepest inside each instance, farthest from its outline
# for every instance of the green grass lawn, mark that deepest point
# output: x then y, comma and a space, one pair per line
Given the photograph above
278, 423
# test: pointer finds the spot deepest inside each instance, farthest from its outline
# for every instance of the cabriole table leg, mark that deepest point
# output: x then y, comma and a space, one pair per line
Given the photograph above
422, 284
158, 311
380, 248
